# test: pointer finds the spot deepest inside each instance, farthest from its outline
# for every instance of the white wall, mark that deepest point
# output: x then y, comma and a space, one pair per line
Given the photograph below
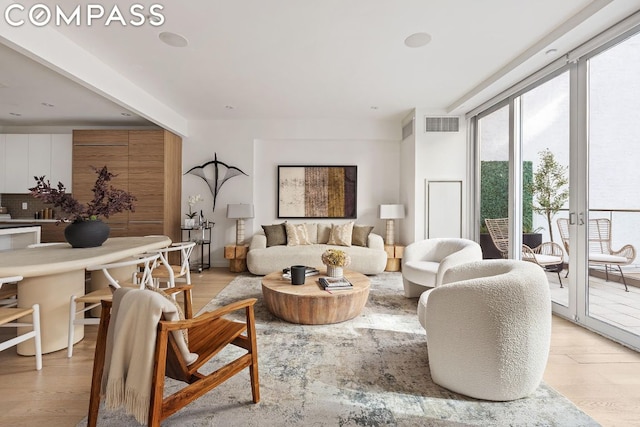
406, 226
438, 156
257, 147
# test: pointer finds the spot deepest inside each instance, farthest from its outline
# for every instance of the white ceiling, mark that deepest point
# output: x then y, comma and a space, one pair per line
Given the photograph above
303, 59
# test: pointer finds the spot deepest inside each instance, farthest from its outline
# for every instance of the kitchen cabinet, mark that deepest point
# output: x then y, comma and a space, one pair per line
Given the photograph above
3, 144
52, 232
16, 164
39, 158
148, 164
23, 156
61, 154
95, 149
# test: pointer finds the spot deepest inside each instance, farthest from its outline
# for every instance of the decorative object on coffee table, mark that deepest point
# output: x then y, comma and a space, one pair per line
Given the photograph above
86, 230
335, 260
298, 274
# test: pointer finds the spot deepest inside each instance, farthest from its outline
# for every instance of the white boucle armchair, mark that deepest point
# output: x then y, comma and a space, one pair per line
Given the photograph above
489, 329
425, 262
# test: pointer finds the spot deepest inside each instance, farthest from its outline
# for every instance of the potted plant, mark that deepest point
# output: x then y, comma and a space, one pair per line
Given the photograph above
494, 203
86, 229
335, 260
549, 187
190, 222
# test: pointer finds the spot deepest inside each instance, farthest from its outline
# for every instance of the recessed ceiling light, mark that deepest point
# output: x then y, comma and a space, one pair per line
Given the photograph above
46, 104
551, 52
173, 39
16, 114
417, 40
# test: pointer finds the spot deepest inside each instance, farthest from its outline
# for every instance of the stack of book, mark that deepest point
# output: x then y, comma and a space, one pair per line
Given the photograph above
334, 283
310, 271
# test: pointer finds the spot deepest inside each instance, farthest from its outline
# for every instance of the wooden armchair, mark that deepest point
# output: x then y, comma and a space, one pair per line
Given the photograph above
548, 255
208, 334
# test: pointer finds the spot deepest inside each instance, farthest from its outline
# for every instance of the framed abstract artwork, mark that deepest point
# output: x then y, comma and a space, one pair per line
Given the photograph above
317, 191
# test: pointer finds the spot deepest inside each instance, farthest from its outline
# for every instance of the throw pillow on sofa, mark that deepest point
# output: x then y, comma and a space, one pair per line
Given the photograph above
341, 234
324, 231
276, 234
360, 235
297, 234
312, 231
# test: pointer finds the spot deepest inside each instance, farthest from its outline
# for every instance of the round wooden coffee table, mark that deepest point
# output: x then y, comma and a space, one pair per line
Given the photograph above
309, 304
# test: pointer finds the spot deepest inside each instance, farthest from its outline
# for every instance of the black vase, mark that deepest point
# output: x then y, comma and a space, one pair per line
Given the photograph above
86, 234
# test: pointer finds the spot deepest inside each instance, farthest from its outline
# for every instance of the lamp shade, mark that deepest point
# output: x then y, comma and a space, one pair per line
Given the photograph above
240, 211
391, 211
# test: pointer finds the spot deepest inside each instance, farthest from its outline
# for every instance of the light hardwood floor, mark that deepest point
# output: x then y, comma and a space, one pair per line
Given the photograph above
601, 377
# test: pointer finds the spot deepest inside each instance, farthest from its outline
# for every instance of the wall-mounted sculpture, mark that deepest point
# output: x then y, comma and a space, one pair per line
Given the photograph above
221, 172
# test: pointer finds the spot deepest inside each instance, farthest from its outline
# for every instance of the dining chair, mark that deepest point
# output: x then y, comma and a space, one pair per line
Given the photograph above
13, 317
9, 291
79, 305
172, 273
548, 255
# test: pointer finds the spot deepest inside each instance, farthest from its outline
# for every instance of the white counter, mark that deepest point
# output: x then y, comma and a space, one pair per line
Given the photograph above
18, 237
30, 220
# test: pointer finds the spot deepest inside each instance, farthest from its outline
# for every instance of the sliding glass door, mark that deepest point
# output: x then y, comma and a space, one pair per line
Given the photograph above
545, 127
568, 148
493, 136
613, 213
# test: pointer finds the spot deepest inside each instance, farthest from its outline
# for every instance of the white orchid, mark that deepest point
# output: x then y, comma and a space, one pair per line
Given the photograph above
191, 201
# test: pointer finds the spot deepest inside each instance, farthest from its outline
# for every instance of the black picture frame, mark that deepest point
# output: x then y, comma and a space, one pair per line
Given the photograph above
317, 191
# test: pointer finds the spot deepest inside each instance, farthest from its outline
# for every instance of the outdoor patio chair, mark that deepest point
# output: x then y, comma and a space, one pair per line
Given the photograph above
548, 255
600, 252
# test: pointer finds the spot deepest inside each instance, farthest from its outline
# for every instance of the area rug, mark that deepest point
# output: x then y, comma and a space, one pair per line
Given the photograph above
372, 370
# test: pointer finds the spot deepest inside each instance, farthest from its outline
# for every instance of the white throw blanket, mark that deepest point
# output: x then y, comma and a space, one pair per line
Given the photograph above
130, 348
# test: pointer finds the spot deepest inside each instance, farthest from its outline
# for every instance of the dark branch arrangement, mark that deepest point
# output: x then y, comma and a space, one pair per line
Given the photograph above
107, 200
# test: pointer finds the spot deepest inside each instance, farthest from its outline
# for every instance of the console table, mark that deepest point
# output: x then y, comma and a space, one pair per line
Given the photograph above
202, 236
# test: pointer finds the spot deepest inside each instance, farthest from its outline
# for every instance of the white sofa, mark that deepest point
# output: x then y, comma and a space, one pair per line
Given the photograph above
489, 329
262, 260
425, 262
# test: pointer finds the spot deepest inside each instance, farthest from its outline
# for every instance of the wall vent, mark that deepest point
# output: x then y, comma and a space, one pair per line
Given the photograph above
442, 124
407, 130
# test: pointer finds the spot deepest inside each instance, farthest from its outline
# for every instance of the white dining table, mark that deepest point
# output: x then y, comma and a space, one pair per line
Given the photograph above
53, 273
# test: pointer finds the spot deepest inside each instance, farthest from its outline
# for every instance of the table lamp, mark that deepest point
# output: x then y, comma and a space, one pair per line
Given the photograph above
240, 212
391, 212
